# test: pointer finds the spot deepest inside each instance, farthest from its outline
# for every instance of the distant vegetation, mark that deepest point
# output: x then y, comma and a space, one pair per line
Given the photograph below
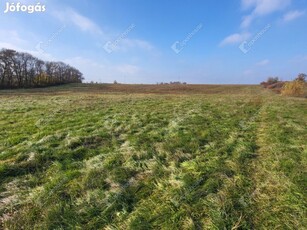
172, 83
297, 87
273, 83
160, 83
22, 70
105, 156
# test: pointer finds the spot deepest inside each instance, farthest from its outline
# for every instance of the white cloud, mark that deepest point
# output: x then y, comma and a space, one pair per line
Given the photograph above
8, 45
246, 4
261, 8
137, 43
35, 53
128, 69
247, 20
235, 38
292, 15
264, 7
127, 44
71, 16
263, 62
12, 37
85, 24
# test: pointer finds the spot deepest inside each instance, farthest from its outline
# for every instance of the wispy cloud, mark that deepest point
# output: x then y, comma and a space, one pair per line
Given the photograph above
246, 4
292, 15
138, 43
133, 44
83, 23
71, 16
261, 8
235, 39
128, 69
11, 36
263, 62
8, 45
247, 20
11, 39
264, 7
22, 41
126, 45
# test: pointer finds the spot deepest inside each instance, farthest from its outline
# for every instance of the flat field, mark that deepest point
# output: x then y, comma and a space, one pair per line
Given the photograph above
152, 157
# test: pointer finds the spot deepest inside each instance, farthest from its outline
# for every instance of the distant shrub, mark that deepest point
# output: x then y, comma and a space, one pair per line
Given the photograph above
294, 88
301, 77
277, 85
172, 83
272, 80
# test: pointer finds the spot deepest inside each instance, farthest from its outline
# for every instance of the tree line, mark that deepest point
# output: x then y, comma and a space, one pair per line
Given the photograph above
22, 70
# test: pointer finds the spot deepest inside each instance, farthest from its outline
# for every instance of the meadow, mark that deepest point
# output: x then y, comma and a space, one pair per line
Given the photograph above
87, 156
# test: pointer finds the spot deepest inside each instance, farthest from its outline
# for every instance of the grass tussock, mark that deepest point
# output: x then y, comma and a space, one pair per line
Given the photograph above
218, 157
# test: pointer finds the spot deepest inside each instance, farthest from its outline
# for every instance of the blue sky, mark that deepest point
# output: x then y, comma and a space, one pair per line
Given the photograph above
133, 41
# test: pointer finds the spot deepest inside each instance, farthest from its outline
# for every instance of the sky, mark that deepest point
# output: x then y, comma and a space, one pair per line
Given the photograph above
150, 41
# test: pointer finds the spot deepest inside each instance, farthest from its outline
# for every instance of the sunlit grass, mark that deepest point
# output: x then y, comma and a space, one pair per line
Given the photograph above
231, 157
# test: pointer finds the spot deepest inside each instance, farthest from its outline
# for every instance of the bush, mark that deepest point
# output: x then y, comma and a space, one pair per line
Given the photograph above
294, 88
301, 77
272, 80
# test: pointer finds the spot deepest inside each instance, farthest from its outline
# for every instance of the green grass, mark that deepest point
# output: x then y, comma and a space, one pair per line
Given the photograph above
152, 157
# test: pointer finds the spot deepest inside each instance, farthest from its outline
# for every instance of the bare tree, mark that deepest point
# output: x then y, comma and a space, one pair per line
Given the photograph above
7, 61
19, 70
301, 77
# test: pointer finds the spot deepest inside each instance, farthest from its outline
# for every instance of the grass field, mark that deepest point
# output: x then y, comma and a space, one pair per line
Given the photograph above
152, 157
